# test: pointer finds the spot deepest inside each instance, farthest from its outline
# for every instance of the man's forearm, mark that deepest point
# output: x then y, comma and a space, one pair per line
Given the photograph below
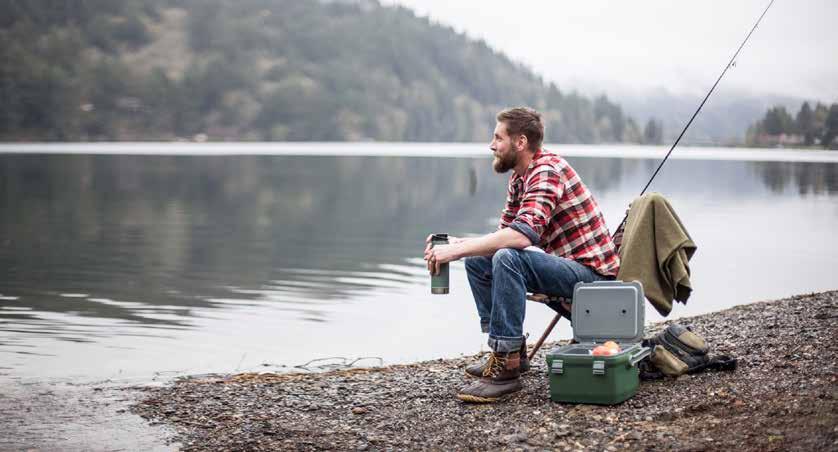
487, 245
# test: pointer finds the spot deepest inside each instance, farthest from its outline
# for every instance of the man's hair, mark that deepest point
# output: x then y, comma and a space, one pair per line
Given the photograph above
526, 121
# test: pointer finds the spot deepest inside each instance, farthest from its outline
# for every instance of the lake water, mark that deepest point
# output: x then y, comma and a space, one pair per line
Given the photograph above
119, 263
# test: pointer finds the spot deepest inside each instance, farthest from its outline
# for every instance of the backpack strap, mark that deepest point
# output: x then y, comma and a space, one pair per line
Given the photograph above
717, 363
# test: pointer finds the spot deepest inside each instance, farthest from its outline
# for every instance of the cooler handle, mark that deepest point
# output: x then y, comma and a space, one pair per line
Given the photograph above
557, 367
637, 357
599, 368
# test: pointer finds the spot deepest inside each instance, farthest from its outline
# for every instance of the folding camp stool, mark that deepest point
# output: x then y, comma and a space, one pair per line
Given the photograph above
559, 304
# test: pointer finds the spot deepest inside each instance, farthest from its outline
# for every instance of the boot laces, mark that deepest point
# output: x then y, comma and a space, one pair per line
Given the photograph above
495, 365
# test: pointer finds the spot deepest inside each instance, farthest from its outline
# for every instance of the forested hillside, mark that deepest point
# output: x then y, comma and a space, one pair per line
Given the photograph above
266, 70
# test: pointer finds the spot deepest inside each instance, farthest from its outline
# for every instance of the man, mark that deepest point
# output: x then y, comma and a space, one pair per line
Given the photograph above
551, 236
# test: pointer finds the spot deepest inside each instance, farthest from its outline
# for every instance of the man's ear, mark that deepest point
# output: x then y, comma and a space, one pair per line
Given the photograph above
522, 142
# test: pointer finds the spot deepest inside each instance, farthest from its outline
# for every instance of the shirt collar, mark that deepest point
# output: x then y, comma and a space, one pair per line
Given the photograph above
535, 158
538, 154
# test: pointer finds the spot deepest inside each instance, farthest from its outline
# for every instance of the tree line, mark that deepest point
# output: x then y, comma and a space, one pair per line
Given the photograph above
816, 126
269, 70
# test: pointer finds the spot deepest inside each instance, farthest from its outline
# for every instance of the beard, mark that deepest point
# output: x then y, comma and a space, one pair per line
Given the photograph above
505, 162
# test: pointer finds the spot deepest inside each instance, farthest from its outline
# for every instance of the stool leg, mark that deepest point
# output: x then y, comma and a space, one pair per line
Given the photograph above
544, 336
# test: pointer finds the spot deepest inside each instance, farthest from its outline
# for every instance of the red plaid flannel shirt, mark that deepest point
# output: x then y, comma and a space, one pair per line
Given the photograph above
554, 209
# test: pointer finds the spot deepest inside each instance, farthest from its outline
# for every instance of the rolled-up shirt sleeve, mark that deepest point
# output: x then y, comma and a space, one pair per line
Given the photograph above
542, 191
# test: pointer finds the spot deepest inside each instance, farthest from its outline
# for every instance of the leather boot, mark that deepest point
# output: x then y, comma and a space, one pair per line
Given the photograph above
476, 369
501, 376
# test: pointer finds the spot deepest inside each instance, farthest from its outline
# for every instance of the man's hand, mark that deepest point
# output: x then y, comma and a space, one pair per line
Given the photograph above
441, 254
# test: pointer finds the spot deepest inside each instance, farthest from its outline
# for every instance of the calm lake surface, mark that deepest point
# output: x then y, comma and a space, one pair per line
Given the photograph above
118, 263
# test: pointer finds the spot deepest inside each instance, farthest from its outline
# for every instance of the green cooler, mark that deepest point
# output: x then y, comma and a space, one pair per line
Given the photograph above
601, 311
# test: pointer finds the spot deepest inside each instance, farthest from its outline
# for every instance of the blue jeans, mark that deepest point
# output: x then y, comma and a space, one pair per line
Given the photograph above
500, 284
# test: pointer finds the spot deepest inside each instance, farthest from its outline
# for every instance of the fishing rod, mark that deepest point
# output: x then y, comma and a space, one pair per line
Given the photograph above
677, 140
730, 64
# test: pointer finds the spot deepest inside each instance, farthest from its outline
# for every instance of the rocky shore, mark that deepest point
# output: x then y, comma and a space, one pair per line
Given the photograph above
783, 396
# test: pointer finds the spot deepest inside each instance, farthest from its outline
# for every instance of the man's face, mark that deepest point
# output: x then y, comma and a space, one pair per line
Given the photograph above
504, 150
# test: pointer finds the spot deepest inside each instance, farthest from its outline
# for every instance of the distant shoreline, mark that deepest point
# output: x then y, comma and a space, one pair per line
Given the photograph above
414, 149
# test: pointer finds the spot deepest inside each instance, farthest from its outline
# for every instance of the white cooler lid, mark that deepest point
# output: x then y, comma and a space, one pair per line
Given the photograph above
608, 310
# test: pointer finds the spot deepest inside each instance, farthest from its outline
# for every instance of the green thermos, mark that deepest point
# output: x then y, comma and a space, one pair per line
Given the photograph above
439, 283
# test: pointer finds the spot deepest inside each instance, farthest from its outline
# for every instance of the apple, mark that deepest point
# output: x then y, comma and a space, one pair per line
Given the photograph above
612, 345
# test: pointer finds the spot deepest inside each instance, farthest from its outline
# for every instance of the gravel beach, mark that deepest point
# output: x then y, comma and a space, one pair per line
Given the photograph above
783, 396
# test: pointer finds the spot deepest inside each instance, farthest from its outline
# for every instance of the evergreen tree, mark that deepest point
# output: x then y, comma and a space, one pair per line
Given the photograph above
653, 132
805, 122
831, 128
821, 113
777, 120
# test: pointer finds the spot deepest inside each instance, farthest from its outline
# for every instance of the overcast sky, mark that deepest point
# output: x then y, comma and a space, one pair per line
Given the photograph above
620, 46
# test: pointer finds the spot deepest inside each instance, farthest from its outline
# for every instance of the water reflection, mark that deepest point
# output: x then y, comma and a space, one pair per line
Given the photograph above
806, 178
147, 239
96, 246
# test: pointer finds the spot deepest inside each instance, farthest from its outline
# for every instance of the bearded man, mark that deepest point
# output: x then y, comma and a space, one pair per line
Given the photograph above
551, 236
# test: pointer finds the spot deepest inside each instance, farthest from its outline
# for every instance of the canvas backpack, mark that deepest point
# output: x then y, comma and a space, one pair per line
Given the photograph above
677, 350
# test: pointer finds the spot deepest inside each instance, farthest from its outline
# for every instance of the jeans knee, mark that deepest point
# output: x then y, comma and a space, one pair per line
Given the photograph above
504, 257
476, 264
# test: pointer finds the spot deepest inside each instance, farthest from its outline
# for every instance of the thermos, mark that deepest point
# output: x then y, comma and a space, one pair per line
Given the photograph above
439, 283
